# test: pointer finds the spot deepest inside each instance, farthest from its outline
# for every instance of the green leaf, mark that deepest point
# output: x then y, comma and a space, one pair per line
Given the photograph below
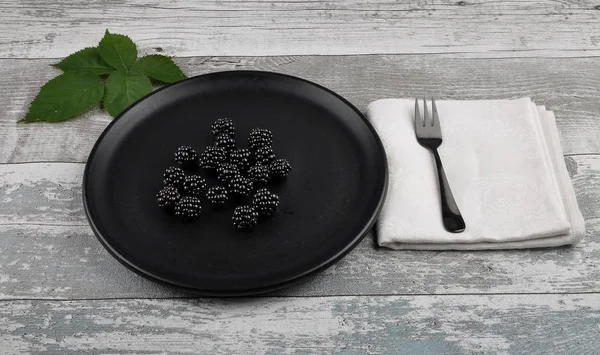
85, 59
123, 89
159, 67
118, 51
65, 96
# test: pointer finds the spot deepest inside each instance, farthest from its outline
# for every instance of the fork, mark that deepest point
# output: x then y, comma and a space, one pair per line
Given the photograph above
429, 135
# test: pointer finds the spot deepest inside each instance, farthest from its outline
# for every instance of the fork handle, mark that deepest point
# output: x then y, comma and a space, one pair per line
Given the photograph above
453, 221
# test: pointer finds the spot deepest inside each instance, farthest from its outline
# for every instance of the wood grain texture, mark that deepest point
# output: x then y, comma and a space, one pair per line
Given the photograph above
547, 324
48, 251
56, 262
574, 95
488, 28
60, 290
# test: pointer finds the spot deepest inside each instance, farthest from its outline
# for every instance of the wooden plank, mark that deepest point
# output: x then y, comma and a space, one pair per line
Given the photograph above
573, 94
485, 28
547, 324
53, 262
41, 193
48, 251
56, 262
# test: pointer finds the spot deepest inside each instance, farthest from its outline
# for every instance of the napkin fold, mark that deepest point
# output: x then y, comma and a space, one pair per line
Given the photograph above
504, 164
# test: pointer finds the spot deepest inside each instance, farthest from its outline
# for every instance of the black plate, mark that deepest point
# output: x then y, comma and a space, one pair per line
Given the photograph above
328, 204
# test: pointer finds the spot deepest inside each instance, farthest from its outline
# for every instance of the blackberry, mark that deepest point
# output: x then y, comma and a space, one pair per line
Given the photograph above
245, 218
167, 197
194, 185
260, 137
174, 177
265, 202
241, 158
217, 196
259, 174
280, 169
240, 186
264, 155
212, 157
223, 126
226, 172
186, 156
226, 142
188, 208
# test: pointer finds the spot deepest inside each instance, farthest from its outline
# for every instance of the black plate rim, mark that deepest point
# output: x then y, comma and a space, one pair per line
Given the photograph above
222, 293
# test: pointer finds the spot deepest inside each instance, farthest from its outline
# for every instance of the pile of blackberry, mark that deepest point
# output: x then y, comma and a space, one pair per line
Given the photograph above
181, 192
241, 177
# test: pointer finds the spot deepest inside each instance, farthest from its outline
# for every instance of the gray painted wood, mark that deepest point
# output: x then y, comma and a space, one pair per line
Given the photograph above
56, 262
545, 324
48, 251
485, 28
574, 95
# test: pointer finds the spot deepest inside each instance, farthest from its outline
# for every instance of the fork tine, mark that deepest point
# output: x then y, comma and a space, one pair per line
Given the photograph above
436, 118
418, 118
425, 113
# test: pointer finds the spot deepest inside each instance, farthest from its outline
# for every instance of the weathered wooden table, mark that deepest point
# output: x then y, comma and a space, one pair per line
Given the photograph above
62, 293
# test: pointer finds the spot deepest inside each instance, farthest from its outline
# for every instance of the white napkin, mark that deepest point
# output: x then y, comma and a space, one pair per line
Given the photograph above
505, 167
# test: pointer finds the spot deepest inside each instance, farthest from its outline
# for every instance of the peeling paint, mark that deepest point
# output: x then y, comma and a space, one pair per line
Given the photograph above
273, 325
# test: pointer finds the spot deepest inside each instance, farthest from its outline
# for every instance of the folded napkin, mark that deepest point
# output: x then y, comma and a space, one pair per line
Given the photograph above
504, 164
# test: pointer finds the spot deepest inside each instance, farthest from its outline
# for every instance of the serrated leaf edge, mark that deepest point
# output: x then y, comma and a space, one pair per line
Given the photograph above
126, 83
119, 54
152, 78
57, 65
25, 119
